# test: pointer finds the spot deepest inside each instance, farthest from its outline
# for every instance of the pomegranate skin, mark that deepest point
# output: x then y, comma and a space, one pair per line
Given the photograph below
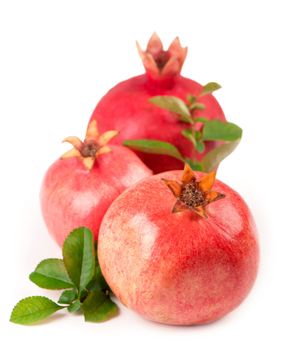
72, 196
178, 268
126, 108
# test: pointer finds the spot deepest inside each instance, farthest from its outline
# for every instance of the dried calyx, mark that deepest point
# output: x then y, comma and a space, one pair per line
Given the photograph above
161, 63
192, 194
93, 145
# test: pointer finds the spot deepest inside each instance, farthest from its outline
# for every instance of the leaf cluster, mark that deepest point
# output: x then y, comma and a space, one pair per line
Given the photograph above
79, 275
199, 131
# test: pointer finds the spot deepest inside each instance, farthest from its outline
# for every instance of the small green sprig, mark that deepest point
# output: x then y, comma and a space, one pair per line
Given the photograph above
79, 275
199, 131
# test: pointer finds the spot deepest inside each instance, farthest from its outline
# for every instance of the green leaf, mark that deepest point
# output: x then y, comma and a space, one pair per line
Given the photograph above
194, 164
197, 106
98, 282
209, 88
198, 135
33, 309
185, 120
67, 296
201, 119
98, 307
195, 139
172, 104
189, 136
154, 147
214, 157
100, 279
74, 306
200, 146
191, 99
78, 257
221, 131
51, 274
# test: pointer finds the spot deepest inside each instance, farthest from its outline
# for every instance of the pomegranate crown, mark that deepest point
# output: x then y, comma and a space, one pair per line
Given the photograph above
192, 194
93, 145
162, 64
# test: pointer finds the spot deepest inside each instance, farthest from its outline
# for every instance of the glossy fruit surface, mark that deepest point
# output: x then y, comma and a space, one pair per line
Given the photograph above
172, 264
126, 107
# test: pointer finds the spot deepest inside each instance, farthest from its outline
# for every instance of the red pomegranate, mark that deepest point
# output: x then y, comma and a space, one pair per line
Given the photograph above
126, 107
171, 259
79, 187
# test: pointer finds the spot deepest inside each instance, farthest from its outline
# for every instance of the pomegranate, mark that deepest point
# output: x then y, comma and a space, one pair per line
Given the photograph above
171, 259
79, 187
126, 107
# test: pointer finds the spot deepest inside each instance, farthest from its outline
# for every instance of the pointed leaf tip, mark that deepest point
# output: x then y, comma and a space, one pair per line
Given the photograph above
172, 104
209, 88
33, 309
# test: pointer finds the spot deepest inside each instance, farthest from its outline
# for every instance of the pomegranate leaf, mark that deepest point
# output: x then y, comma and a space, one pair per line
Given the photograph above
98, 307
79, 257
173, 104
98, 283
155, 147
201, 119
79, 270
197, 106
67, 296
216, 130
212, 159
75, 306
209, 88
33, 309
189, 134
195, 137
200, 146
195, 165
191, 99
51, 274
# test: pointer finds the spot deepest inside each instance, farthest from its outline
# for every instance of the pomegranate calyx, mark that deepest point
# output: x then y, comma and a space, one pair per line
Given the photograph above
94, 145
159, 63
192, 194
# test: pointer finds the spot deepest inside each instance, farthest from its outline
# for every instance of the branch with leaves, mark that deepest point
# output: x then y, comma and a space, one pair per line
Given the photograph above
198, 131
79, 274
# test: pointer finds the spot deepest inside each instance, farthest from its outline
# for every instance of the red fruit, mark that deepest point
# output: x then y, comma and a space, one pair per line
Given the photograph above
126, 106
164, 259
79, 187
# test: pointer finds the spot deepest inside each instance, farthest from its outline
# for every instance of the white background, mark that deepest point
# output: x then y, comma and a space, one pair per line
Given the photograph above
57, 58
